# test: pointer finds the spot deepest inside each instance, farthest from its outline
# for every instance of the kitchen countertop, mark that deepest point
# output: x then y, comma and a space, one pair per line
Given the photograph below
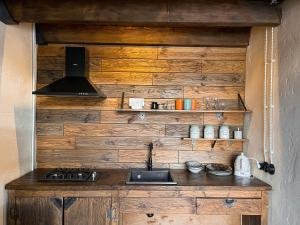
115, 179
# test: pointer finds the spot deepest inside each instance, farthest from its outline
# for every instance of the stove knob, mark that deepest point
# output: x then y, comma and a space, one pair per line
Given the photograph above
94, 175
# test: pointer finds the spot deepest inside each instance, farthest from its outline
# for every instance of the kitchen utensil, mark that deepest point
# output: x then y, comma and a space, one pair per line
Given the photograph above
187, 104
219, 169
162, 106
194, 132
179, 104
209, 132
194, 104
206, 102
238, 134
194, 166
224, 132
242, 166
215, 103
154, 105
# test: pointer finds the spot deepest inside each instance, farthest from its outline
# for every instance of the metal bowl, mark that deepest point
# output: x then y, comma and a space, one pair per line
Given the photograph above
219, 169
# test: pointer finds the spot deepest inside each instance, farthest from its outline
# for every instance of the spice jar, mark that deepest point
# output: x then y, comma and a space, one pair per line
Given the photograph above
195, 132
209, 132
224, 132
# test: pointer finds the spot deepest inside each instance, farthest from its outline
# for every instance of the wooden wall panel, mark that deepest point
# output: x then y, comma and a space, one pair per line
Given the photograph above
208, 53
207, 157
71, 116
115, 130
217, 92
161, 118
134, 91
141, 156
148, 65
132, 78
89, 132
49, 129
209, 66
199, 79
77, 156
55, 142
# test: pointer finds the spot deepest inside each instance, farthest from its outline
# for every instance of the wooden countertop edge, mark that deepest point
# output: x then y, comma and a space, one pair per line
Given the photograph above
115, 180
136, 187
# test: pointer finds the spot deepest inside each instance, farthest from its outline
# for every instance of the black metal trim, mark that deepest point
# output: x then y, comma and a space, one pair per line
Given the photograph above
122, 100
5, 16
242, 102
213, 144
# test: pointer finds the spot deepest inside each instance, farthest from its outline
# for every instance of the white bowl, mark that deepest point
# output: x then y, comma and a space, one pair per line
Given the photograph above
194, 166
195, 169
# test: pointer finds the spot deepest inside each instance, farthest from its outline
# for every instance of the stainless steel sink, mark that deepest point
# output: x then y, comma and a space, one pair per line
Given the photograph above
154, 177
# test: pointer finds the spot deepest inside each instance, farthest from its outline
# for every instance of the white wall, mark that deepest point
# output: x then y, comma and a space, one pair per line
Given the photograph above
285, 197
16, 111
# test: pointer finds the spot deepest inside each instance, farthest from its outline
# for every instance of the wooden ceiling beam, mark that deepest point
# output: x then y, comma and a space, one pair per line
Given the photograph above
157, 36
5, 16
174, 13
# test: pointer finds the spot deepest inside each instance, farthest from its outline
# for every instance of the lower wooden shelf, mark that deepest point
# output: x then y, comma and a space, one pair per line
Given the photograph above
216, 139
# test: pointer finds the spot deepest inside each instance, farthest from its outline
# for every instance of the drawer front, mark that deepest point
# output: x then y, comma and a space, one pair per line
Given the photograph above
225, 206
158, 205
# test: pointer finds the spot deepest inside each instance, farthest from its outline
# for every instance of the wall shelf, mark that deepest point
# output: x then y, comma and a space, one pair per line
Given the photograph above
183, 111
217, 139
214, 140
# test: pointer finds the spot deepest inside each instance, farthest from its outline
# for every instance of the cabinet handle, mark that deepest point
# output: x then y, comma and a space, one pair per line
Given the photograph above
68, 202
57, 202
112, 214
150, 215
229, 202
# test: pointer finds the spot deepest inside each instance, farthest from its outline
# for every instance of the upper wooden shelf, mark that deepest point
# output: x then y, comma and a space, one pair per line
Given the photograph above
184, 111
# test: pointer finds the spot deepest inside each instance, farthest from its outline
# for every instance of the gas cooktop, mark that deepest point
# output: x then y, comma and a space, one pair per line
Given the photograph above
70, 174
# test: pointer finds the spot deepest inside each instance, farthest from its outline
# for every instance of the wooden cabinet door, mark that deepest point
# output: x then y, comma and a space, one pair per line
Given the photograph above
38, 211
87, 211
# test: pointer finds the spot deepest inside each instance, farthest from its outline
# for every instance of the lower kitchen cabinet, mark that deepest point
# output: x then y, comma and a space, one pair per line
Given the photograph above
61, 211
138, 207
37, 211
87, 211
179, 219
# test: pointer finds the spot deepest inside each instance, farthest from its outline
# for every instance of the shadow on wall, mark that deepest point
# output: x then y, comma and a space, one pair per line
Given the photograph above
22, 115
2, 35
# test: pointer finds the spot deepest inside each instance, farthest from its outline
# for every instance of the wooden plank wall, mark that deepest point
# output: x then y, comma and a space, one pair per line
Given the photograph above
88, 132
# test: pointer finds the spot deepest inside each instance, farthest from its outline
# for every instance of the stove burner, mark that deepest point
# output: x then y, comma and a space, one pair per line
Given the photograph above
70, 174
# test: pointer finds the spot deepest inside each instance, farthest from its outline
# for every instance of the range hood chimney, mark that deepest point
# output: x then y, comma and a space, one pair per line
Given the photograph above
75, 82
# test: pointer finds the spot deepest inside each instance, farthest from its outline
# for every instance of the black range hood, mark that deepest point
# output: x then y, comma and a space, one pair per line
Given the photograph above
75, 82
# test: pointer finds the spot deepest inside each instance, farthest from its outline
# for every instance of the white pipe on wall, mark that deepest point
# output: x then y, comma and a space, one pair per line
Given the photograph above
265, 97
34, 81
271, 103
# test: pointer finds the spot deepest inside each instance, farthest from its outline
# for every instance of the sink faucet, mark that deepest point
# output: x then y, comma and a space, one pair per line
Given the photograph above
149, 162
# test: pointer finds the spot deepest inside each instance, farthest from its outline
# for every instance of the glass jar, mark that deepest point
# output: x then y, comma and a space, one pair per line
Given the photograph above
209, 132
224, 132
195, 132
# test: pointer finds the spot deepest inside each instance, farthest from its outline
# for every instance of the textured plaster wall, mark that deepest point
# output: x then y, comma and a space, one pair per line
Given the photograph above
16, 112
285, 197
